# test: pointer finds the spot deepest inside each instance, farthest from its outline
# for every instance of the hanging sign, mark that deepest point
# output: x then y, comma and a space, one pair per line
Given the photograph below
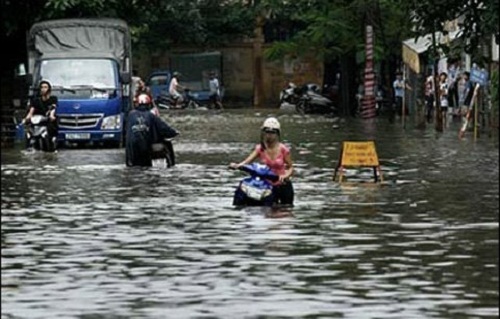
479, 76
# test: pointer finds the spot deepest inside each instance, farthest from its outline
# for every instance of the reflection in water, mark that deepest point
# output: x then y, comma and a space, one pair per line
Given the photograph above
84, 236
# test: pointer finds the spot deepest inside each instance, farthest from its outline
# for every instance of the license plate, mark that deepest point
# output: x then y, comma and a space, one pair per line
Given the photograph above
159, 163
255, 193
78, 136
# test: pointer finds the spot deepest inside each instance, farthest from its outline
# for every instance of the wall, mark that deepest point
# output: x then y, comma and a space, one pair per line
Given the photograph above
238, 71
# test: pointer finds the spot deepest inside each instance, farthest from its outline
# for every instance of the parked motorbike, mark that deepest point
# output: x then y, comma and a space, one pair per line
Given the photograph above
163, 154
37, 134
255, 190
166, 101
307, 99
287, 95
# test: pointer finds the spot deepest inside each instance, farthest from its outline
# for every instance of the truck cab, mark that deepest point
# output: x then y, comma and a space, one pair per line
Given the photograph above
88, 63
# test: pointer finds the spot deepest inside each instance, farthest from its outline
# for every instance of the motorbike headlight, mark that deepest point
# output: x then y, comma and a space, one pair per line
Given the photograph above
111, 122
244, 188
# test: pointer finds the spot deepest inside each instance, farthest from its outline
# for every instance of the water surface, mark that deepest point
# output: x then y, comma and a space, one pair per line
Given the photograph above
85, 237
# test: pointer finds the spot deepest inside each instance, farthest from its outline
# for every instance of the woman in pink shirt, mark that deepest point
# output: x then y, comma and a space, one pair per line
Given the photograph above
277, 156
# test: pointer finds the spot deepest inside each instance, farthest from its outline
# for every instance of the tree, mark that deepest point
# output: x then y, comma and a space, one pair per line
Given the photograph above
479, 22
335, 31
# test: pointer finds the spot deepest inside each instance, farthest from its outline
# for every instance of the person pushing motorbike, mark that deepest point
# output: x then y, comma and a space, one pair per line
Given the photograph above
142, 131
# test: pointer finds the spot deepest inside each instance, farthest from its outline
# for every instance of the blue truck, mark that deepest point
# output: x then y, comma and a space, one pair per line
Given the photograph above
89, 63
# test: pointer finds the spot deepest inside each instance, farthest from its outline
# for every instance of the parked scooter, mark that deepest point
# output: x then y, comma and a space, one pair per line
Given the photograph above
255, 190
288, 96
37, 134
307, 99
166, 101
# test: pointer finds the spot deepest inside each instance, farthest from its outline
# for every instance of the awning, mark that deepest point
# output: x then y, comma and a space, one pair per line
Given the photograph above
412, 48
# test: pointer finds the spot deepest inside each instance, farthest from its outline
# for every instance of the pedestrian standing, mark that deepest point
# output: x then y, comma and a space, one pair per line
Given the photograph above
399, 87
214, 86
429, 96
453, 77
467, 93
443, 96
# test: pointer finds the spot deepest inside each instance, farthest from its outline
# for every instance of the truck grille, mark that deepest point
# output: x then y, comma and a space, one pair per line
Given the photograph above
77, 121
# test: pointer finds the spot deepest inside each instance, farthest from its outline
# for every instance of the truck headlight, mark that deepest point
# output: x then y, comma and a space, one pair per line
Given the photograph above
111, 122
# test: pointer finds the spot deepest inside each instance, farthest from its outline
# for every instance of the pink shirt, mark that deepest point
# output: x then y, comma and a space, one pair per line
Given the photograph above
277, 165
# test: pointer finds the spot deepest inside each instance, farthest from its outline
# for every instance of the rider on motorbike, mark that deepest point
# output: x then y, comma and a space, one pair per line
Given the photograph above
175, 88
45, 104
277, 156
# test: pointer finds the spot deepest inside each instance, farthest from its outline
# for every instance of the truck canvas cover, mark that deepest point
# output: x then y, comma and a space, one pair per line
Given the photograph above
80, 38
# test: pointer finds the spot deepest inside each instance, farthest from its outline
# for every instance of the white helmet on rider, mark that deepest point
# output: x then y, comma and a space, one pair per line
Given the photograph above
143, 99
271, 124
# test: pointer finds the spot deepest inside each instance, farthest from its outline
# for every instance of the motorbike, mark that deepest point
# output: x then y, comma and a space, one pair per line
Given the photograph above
255, 190
166, 101
307, 99
37, 134
288, 96
163, 155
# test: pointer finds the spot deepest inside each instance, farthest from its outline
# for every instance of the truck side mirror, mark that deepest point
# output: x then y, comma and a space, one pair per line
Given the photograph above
20, 70
125, 76
21, 75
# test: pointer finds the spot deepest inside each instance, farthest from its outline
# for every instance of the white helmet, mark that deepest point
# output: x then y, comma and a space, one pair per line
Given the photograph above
143, 99
271, 123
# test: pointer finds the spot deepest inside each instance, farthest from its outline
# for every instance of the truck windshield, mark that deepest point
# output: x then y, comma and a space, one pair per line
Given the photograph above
74, 73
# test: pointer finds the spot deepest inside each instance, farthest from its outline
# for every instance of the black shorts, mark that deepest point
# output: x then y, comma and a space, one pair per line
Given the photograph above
283, 194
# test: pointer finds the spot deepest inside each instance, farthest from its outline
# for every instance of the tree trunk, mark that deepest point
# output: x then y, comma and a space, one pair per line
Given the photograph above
348, 82
258, 87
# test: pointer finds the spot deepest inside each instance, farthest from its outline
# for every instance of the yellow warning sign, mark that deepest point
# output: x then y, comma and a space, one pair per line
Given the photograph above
359, 154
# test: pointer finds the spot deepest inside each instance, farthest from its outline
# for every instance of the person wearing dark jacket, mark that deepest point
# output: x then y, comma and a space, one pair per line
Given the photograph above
44, 105
143, 129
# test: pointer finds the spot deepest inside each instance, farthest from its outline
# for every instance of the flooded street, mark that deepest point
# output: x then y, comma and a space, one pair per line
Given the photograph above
83, 236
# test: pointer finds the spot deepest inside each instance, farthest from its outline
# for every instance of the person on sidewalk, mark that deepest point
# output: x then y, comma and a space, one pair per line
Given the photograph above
215, 98
429, 96
399, 86
443, 96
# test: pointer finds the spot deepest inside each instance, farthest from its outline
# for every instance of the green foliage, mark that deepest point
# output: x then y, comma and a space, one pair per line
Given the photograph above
154, 23
335, 28
479, 18
324, 28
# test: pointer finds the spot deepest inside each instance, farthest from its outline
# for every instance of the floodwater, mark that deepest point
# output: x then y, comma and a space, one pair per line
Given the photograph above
85, 237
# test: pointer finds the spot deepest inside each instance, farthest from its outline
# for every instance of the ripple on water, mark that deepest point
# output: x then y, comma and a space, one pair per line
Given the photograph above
85, 236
